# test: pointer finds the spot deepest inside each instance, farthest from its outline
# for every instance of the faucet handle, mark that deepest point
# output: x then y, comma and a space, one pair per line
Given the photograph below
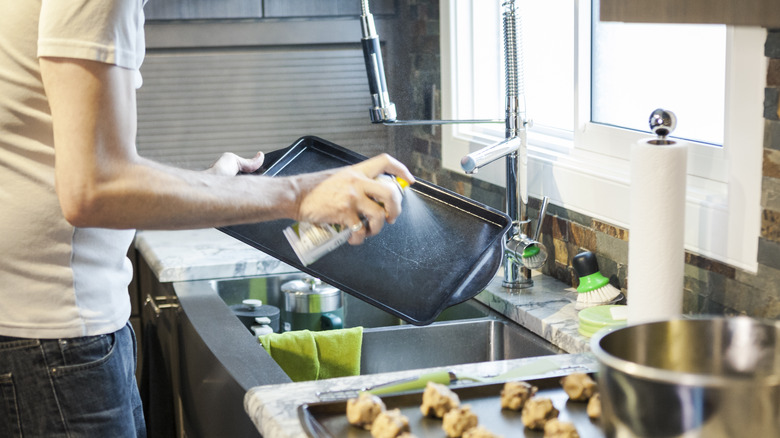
534, 252
540, 220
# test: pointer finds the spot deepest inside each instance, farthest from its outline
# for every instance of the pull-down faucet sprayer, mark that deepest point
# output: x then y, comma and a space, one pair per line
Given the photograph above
382, 109
521, 253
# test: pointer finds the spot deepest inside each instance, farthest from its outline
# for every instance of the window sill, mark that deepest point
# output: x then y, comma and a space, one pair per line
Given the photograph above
599, 186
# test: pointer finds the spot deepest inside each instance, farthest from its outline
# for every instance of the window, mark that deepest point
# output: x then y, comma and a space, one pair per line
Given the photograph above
578, 146
636, 68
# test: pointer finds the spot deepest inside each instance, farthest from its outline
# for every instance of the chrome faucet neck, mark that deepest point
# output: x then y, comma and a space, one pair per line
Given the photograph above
513, 149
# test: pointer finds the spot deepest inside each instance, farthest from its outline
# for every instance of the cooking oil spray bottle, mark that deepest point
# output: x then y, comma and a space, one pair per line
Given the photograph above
312, 241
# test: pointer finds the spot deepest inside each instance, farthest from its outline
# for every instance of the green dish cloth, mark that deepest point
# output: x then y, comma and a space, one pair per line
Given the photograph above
306, 355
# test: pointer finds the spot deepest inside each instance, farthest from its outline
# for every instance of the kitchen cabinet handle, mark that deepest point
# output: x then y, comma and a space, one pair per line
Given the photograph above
165, 302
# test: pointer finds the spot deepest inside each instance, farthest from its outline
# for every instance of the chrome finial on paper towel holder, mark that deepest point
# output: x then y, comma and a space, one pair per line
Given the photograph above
662, 123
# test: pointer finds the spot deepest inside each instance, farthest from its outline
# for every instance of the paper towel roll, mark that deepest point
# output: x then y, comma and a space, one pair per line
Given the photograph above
656, 253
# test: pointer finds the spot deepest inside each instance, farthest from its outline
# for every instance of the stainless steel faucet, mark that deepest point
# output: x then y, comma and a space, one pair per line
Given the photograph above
521, 253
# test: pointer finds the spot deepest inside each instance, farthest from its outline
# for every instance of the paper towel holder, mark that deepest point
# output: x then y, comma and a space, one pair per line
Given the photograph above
662, 123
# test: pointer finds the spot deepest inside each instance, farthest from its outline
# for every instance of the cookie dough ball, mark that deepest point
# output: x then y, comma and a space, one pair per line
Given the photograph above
537, 411
579, 386
515, 394
594, 407
389, 424
459, 420
438, 400
362, 410
560, 429
479, 432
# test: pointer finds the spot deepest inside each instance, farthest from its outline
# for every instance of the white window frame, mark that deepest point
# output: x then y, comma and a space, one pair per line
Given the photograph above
723, 209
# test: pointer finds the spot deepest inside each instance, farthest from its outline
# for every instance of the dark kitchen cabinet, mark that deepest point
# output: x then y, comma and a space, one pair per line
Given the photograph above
246, 9
310, 8
202, 9
243, 85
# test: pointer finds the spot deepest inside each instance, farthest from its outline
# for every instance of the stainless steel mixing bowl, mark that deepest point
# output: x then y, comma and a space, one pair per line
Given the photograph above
702, 377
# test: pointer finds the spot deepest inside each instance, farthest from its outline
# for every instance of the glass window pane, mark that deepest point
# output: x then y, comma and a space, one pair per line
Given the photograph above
488, 60
546, 30
548, 55
637, 68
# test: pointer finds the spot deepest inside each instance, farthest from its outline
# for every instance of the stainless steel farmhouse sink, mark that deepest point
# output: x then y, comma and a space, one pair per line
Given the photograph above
468, 332
215, 359
448, 343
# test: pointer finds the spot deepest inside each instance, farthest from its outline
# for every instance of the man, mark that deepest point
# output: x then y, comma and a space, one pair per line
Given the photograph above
73, 188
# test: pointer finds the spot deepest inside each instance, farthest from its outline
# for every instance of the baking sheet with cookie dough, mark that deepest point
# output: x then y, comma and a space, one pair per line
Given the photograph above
328, 419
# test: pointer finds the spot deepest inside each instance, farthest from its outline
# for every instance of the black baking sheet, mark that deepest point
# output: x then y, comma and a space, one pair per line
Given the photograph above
443, 249
329, 420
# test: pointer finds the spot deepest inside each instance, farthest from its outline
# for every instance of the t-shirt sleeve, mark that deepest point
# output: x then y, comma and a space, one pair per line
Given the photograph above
109, 31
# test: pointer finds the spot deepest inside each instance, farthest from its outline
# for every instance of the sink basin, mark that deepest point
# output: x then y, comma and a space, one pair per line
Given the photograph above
468, 332
356, 312
448, 343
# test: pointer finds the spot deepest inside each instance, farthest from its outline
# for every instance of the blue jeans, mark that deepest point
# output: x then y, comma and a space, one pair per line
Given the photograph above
78, 387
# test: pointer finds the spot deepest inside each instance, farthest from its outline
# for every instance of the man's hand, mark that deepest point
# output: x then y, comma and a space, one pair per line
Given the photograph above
230, 164
348, 195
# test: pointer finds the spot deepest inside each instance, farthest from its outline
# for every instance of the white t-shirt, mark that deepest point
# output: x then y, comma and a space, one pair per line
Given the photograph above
56, 281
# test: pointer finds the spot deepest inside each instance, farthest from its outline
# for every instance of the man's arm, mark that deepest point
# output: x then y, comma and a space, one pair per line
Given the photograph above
101, 181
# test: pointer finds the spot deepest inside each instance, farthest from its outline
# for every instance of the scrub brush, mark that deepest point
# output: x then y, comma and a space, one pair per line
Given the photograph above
533, 256
594, 288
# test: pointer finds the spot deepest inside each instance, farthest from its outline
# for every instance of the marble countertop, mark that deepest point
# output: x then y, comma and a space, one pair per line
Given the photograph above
204, 254
546, 309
